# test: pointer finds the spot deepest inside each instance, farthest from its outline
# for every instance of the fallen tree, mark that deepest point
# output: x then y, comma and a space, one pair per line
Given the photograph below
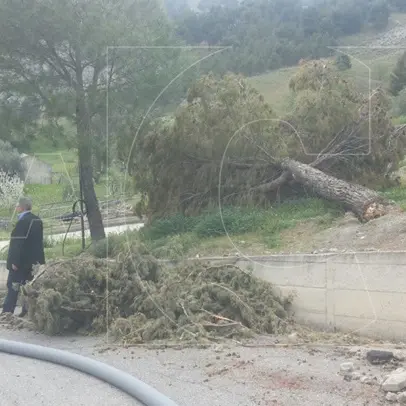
226, 146
365, 203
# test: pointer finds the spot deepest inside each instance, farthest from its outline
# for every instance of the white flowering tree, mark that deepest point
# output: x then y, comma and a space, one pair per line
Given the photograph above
11, 188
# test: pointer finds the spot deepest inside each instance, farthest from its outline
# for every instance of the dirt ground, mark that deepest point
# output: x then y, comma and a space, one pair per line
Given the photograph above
256, 373
346, 234
387, 233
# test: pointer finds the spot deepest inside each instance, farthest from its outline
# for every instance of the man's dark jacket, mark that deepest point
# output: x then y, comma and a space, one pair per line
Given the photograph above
27, 243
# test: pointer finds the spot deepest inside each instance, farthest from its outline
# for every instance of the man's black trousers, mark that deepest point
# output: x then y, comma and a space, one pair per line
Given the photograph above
15, 280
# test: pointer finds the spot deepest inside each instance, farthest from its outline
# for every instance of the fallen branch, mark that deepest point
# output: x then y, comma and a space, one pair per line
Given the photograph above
273, 185
214, 325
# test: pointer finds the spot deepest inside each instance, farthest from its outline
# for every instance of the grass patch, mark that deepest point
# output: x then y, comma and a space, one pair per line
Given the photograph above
53, 250
61, 160
251, 230
398, 195
274, 86
44, 194
65, 174
231, 220
72, 248
49, 195
179, 235
399, 120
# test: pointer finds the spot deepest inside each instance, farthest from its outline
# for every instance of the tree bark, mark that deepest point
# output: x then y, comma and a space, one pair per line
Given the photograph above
85, 156
86, 177
365, 203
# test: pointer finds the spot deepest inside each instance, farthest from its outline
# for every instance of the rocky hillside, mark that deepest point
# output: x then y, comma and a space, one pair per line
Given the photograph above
373, 45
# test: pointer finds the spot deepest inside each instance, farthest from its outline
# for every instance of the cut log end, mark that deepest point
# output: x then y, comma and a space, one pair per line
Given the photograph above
375, 210
365, 203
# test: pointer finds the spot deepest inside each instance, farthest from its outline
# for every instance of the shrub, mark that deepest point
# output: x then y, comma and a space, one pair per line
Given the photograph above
169, 226
11, 188
10, 160
173, 247
343, 62
118, 184
108, 247
229, 221
399, 104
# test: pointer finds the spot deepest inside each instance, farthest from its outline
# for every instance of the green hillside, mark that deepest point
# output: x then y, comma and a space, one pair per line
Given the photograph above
371, 63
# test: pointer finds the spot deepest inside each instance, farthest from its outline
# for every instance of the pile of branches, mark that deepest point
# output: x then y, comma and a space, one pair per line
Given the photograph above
139, 300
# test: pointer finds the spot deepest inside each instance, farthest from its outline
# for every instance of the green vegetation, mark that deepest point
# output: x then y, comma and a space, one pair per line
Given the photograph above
180, 235
44, 195
399, 120
62, 161
398, 76
181, 160
274, 86
48, 96
283, 33
251, 229
398, 195
10, 161
177, 236
53, 250
343, 62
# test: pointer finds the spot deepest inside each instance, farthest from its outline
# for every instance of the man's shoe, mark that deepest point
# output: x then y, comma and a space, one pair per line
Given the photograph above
23, 313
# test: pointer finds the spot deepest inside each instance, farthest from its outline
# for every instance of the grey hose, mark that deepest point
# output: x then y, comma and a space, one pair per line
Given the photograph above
137, 389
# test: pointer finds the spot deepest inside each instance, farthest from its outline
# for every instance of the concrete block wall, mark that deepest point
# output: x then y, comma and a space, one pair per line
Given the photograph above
3, 275
364, 293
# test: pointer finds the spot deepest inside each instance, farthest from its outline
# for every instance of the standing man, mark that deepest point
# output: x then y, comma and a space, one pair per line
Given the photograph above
25, 250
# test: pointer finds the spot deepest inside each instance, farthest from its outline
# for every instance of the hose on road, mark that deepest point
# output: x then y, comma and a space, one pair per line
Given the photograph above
137, 389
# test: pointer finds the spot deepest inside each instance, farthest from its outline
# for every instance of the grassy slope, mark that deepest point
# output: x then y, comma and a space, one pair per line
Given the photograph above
289, 228
364, 72
374, 64
63, 163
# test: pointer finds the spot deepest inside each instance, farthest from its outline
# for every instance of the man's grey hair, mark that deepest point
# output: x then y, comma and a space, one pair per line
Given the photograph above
25, 203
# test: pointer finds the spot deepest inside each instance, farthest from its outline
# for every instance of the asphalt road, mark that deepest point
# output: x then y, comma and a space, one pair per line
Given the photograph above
78, 234
224, 375
32, 382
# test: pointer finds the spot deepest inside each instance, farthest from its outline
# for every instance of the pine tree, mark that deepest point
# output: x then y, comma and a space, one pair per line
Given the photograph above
398, 76
343, 62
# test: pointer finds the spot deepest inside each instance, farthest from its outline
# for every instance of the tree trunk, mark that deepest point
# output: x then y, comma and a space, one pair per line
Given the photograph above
85, 154
97, 160
86, 177
86, 172
365, 203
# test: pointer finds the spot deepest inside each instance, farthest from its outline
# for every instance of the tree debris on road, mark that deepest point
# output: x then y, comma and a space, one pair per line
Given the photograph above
139, 300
